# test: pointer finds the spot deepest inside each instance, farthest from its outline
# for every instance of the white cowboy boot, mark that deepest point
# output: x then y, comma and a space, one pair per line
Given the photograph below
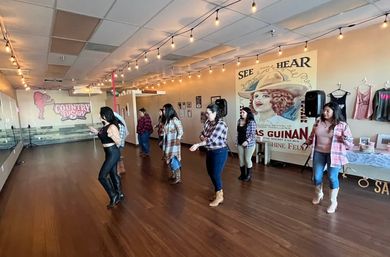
319, 195
218, 199
333, 200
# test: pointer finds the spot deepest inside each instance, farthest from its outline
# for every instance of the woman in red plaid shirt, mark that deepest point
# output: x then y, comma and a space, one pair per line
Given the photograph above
331, 137
144, 129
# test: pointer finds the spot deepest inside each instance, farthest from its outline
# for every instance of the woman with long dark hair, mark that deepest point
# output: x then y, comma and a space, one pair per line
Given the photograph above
173, 133
331, 137
213, 137
144, 129
110, 138
246, 142
160, 127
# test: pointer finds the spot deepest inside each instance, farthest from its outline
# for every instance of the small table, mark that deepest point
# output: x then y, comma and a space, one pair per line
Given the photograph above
263, 152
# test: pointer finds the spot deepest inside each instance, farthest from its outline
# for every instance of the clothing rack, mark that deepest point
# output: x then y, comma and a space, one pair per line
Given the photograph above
339, 90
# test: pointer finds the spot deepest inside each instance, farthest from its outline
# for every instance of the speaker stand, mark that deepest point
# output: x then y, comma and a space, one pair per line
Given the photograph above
307, 161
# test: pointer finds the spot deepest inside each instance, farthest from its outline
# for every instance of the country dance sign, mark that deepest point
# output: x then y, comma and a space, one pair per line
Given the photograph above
275, 92
72, 111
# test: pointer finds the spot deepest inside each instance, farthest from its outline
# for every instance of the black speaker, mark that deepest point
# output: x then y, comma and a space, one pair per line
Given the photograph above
222, 104
314, 102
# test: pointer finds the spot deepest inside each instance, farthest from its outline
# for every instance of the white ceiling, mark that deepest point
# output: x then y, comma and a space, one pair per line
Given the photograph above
138, 25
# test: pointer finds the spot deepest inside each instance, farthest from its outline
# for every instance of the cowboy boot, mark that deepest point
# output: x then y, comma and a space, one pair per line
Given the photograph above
242, 175
108, 187
177, 176
116, 182
319, 195
248, 175
218, 199
333, 200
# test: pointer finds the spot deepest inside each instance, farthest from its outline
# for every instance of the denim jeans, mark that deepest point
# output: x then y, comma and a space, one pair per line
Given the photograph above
319, 162
143, 140
215, 162
174, 164
108, 176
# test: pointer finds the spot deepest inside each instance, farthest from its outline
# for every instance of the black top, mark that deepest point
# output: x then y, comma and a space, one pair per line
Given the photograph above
103, 136
241, 134
341, 101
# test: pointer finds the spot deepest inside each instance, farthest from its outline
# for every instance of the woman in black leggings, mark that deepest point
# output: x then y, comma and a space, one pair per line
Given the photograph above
110, 138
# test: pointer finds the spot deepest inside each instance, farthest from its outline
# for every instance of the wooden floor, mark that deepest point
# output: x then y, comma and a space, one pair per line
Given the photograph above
53, 205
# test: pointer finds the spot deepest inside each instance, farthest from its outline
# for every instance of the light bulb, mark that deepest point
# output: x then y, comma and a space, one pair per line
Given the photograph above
340, 36
217, 18
257, 59
384, 24
191, 37
158, 54
145, 58
7, 47
172, 43
280, 50
238, 61
305, 49
210, 70
223, 67
254, 7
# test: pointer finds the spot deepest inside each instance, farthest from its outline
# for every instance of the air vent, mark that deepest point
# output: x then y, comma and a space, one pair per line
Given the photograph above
100, 47
52, 80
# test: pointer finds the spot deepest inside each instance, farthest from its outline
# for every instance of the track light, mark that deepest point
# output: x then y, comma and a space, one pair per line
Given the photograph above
172, 43
158, 54
191, 37
384, 24
305, 49
257, 58
254, 7
216, 18
280, 50
7, 47
340, 36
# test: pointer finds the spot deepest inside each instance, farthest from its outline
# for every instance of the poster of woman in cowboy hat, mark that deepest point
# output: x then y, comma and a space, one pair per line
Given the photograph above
275, 92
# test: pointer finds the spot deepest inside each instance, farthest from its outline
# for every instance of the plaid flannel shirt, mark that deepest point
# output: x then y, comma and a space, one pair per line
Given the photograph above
144, 124
250, 132
341, 141
215, 134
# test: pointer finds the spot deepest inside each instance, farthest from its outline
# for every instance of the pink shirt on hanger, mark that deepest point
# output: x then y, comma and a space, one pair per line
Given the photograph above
363, 104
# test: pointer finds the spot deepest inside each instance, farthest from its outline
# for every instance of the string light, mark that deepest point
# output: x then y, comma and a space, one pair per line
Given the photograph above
145, 57
280, 50
238, 61
257, 59
136, 64
158, 54
210, 70
180, 80
254, 7
172, 43
191, 36
223, 67
12, 58
128, 67
115, 75
216, 18
19, 71
189, 75
305, 49
199, 74
384, 24
7, 47
340, 36
172, 80
122, 75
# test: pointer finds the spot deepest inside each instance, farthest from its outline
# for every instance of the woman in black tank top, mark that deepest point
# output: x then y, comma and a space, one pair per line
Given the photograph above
109, 136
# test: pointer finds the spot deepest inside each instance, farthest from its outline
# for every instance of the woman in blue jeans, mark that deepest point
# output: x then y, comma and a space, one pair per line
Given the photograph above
144, 129
331, 137
213, 137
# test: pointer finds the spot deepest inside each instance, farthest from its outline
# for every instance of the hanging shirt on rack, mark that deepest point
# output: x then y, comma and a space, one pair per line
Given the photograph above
363, 105
341, 101
381, 105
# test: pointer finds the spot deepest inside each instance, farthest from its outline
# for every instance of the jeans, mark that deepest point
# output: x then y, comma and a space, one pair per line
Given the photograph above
108, 176
215, 162
143, 140
245, 155
319, 162
174, 164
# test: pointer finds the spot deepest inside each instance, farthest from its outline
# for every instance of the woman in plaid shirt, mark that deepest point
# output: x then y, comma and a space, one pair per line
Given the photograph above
331, 137
173, 133
213, 137
144, 129
246, 142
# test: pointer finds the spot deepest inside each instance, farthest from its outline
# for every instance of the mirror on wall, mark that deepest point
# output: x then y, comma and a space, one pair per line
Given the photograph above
10, 132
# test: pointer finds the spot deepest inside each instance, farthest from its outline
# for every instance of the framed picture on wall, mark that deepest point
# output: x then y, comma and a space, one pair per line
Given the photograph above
364, 140
198, 101
382, 141
213, 98
189, 104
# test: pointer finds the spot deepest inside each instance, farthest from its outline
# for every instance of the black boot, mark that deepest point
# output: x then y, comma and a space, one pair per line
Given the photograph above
242, 176
107, 185
116, 181
248, 174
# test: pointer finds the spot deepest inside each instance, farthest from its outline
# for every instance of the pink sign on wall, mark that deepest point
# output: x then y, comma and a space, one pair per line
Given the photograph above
72, 111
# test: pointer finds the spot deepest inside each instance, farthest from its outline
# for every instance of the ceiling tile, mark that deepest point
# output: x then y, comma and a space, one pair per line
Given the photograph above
98, 8
74, 26
86, 62
22, 43
63, 46
197, 47
22, 17
56, 71
286, 8
384, 5
245, 7
112, 33
61, 59
136, 12
235, 30
168, 21
47, 3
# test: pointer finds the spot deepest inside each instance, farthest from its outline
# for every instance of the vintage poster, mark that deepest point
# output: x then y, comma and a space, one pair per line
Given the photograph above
275, 92
198, 101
